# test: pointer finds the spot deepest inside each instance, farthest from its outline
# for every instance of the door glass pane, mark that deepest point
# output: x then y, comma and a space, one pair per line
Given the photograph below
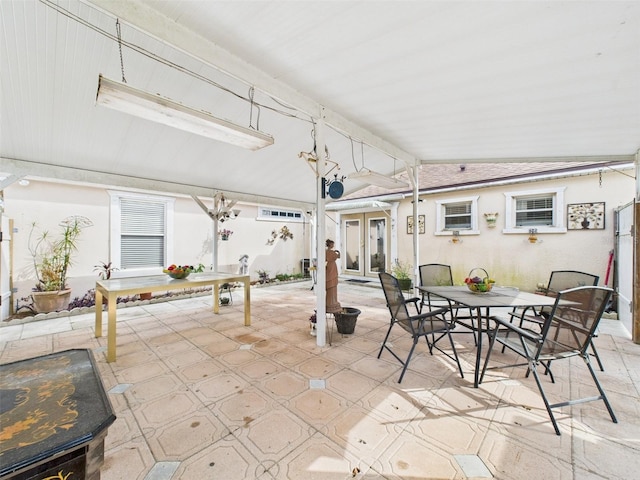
377, 244
352, 242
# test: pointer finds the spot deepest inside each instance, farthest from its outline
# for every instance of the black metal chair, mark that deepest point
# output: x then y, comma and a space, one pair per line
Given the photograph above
435, 275
558, 281
567, 332
420, 325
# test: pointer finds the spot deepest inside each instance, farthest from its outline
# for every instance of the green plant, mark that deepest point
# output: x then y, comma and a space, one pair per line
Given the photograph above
52, 256
264, 276
401, 270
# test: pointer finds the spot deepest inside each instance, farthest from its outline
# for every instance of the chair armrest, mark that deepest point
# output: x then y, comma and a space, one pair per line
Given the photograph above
432, 313
416, 303
506, 323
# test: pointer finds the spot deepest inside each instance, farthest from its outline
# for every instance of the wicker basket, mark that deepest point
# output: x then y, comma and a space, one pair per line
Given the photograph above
484, 286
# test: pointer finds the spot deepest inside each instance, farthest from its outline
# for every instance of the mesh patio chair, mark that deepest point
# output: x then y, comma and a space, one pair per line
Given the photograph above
425, 324
435, 275
567, 332
558, 281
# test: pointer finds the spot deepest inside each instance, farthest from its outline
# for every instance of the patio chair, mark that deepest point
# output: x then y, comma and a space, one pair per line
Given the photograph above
567, 332
420, 325
438, 274
558, 281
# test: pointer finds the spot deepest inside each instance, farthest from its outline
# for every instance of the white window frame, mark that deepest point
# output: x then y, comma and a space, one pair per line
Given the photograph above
284, 214
559, 224
440, 216
115, 230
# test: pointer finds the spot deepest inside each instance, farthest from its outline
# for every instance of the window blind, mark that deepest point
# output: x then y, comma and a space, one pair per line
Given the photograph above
142, 233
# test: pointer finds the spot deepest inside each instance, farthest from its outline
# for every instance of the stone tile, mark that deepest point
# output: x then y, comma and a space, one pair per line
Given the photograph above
510, 457
226, 459
155, 414
147, 390
239, 357
284, 385
274, 434
130, 460
291, 356
196, 372
179, 439
318, 458
361, 433
412, 457
140, 372
317, 367
184, 358
317, 407
350, 385
242, 409
219, 386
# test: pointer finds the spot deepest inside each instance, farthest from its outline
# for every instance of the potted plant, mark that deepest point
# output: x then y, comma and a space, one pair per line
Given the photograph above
52, 257
225, 233
402, 271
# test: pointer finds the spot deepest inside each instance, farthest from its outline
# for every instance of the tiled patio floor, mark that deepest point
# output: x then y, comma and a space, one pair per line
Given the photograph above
201, 396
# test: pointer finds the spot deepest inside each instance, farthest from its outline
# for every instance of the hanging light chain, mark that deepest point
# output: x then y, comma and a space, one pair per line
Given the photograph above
251, 93
124, 80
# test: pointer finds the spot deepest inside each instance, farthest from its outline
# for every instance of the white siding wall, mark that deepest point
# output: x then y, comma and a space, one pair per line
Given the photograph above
510, 258
48, 203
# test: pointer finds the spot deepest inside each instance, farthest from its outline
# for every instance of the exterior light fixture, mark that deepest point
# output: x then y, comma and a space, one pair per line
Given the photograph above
533, 236
374, 178
156, 108
455, 237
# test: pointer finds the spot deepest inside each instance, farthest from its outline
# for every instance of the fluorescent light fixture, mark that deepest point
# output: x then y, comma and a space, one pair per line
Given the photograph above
156, 108
374, 178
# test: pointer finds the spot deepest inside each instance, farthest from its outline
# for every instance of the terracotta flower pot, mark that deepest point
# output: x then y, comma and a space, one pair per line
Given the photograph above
56, 301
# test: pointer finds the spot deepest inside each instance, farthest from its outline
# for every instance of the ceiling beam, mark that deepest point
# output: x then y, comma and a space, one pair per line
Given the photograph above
165, 30
47, 172
590, 159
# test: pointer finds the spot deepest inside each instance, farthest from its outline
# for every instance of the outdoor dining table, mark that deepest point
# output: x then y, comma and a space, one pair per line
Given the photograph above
482, 303
113, 288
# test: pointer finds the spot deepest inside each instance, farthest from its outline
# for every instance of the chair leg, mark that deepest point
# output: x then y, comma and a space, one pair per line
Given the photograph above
384, 342
595, 354
603, 396
455, 354
406, 362
532, 367
486, 360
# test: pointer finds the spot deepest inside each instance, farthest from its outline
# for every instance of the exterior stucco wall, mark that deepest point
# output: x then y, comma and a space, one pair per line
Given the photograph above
510, 258
48, 203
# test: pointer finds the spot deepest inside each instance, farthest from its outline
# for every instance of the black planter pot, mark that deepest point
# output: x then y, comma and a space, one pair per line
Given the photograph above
346, 320
405, 283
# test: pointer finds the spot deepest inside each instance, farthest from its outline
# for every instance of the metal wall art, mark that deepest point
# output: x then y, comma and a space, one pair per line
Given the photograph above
585, 216
410, 224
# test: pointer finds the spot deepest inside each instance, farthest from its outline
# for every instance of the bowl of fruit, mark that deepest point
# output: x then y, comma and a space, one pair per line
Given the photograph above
479, 281
178, 271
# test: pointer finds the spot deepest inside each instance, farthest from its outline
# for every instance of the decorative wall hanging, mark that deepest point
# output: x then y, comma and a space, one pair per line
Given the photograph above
491, 219
585, 216
410, 224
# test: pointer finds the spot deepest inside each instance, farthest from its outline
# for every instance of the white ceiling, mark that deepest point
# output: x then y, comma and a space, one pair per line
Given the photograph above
425, 82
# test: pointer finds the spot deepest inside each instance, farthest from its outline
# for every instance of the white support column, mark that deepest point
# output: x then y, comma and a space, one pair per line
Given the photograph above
416, 228
214, 246
321, 287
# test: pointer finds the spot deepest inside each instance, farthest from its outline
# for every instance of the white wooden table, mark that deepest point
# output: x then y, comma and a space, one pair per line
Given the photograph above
112, 289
